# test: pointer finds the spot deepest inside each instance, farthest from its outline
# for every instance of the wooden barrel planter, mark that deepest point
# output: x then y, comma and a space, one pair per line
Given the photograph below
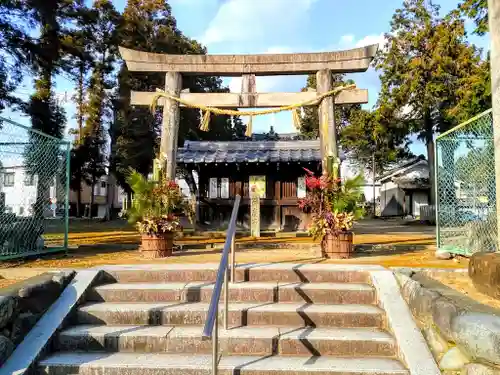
337, 246
159, 246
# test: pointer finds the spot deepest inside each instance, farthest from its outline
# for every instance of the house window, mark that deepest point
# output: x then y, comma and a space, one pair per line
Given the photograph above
103, 184
29, 180
8, 179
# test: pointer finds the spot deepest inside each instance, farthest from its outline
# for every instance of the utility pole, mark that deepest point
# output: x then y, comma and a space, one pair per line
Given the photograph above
494, 28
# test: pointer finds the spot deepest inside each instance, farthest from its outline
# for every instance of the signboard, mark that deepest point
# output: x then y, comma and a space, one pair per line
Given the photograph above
257, 185
301, 187
213, 191
224, 188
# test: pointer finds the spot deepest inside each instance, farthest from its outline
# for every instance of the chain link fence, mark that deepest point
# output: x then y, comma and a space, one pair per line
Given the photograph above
465, 182
34, 191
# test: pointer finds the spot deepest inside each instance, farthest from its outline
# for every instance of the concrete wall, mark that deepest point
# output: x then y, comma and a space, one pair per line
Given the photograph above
24, 303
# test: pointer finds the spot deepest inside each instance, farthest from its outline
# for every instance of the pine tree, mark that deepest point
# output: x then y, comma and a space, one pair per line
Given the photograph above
42, 154
16, 47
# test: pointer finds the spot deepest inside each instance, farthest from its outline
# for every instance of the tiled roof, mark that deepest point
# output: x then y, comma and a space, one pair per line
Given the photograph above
251, 152
406, 164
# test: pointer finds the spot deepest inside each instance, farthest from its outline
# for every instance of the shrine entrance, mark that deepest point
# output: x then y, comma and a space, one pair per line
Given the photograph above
323, 64
278, 172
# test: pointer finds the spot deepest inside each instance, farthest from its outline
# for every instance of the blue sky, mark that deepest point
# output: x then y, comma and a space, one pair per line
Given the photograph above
267, 26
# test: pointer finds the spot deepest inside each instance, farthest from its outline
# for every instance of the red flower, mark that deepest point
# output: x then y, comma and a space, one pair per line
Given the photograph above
310, 173
312, 183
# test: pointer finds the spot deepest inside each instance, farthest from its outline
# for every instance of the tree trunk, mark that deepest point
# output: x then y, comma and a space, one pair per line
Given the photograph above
80, 100
92, 191
110, 196
78, 201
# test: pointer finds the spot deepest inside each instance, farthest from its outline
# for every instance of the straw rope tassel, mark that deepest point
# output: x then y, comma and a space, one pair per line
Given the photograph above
248, 133
231, 112
296, 118
205, 122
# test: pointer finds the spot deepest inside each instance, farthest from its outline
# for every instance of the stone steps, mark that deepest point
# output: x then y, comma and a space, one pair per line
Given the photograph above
236, 341
240, 314
169, 364
200, 291
281, 272
284, 319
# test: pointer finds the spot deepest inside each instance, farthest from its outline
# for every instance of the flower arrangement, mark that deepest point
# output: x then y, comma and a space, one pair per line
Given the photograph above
156, 205
333, 204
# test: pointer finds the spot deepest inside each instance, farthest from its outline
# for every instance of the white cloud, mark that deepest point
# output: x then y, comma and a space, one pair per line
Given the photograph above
244, 20
347, 39
371, 39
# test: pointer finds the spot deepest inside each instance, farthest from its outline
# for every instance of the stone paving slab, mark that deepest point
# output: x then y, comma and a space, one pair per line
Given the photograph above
170, 364
201, 291
240, 314
286, 272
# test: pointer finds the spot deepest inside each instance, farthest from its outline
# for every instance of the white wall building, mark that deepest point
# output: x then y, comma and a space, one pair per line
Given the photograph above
19, 191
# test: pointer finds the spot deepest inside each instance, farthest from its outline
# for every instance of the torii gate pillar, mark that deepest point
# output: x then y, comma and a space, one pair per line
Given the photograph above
328, 128
170, 124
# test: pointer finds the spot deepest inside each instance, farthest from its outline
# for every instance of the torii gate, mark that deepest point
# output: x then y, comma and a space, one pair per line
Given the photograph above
323, 64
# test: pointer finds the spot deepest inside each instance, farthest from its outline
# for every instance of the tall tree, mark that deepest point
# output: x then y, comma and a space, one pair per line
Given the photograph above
425, 63
477, 10
16, 48
373, 140
81, 42
103, 26
149, 25
52, 17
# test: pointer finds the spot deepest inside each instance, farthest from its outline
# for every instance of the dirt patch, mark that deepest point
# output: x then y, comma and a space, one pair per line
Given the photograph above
8, 282
461, 282
91, 257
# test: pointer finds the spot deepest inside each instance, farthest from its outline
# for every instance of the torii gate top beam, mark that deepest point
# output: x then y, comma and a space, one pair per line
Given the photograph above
348, 61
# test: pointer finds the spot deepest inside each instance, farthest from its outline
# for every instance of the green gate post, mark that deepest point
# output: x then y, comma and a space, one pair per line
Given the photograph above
66, 198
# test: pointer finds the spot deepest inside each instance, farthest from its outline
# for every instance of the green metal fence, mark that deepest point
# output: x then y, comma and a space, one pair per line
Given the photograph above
34, 191
465, 187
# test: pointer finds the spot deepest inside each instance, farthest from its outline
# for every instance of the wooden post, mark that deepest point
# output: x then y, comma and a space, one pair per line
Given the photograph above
327, 127
254, 215
170, 123
248, 90
494, 28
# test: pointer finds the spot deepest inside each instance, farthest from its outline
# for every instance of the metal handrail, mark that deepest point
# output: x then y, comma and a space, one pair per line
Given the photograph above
210, 331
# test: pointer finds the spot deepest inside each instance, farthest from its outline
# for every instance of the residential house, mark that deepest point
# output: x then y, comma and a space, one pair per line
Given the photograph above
19, 189
100, 198
405, 188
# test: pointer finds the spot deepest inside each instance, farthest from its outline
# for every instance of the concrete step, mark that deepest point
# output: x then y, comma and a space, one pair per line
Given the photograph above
243, 340
200, 291
161, 364
240, 314
281, 272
